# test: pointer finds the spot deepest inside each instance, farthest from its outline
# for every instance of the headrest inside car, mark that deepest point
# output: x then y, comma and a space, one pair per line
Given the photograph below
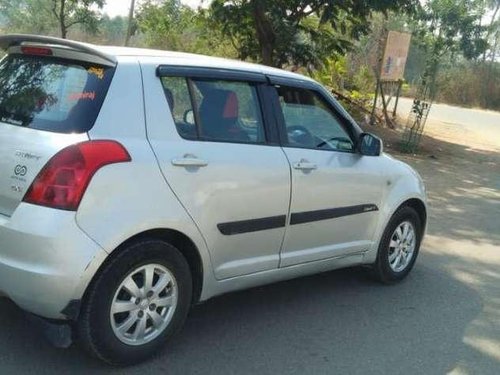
231, 108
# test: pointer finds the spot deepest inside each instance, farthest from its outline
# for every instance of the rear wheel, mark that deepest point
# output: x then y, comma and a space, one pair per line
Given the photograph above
399, 246
136, 303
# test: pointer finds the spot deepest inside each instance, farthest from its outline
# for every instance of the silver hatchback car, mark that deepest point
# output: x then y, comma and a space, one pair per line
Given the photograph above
136, 183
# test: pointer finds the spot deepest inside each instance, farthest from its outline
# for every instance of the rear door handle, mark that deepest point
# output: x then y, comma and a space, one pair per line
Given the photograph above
305, 165
189, 160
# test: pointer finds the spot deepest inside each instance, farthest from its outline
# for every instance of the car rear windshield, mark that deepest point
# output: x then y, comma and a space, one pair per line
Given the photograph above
52, 94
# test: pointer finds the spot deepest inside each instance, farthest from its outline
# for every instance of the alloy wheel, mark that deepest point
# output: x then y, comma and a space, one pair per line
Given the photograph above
402, 246
144, 304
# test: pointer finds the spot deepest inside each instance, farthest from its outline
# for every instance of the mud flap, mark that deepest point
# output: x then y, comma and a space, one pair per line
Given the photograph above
58, 333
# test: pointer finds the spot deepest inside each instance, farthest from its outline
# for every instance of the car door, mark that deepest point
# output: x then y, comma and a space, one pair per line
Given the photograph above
336, 191
209, 134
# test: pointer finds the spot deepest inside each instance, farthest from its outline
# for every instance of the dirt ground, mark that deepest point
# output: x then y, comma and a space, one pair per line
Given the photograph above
461, 169
444, 318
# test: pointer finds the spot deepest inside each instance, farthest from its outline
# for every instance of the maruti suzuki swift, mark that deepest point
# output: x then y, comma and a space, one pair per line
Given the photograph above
135, 183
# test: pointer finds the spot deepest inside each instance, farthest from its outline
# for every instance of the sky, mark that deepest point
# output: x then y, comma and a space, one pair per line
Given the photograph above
121, 7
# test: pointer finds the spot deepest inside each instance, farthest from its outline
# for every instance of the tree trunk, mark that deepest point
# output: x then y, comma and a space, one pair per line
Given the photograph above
64, 31
491, 79
490, 29
62, 20
130, 20
265, 33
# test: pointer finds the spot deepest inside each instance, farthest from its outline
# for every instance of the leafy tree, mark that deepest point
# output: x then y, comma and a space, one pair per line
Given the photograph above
169, 24
46, 16
112, 30
162, 22
447, 30
280, 32
452, 26
28, 16
493, 29
76, 12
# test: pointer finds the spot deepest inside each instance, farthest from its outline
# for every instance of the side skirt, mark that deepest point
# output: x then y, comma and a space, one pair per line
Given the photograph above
217, 288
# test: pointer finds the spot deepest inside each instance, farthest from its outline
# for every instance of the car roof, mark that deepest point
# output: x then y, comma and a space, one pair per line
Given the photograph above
196, 60
112, 55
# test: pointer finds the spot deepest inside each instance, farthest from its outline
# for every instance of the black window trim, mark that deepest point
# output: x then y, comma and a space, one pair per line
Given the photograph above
209, 73
351, 128
291, 82
196, 114
257, 80
268, 115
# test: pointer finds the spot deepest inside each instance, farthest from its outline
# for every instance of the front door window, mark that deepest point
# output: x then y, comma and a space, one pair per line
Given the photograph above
310, 123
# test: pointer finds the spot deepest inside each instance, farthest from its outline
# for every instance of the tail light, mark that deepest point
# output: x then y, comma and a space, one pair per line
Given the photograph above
63, 180
37, 51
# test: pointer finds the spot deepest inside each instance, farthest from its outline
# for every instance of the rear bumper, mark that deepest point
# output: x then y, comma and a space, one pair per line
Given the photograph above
46, 261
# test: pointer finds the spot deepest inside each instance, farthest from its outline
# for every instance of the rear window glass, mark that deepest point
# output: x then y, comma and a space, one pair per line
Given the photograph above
51, 94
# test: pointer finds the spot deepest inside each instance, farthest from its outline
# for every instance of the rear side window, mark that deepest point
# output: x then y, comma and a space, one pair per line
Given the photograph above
215, 110
180, 104
52, 94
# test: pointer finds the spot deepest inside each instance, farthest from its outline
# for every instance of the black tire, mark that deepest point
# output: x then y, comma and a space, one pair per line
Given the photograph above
382, 269
94, 327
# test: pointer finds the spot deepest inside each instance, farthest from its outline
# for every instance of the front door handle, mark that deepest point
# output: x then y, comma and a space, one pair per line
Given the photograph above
305, 165
189, 160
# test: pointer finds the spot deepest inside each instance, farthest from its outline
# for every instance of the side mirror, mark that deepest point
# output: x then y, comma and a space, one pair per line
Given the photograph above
189, 117
370, 145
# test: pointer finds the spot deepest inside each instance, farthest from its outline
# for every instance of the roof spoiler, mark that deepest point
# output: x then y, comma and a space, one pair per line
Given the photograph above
11, 40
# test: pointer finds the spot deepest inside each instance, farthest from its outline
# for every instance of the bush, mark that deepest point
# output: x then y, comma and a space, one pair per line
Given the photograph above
471, 85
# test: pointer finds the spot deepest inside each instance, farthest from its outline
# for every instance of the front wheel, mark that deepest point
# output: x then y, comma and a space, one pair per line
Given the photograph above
399, 246
136, 303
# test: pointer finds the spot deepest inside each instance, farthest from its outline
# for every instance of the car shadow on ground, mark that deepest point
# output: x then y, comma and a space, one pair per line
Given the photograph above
339, 321
463, 185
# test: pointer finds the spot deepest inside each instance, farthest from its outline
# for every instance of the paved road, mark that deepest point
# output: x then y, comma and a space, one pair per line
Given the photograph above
483, 125
444, 318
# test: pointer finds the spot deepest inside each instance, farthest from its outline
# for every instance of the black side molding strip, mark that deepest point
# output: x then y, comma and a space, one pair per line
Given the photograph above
331, 213
254, 225
272, 222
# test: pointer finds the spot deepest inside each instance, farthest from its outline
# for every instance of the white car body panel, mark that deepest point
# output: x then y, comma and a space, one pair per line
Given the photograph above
405, 185
46, 261
240, 182
60, 252
339, 180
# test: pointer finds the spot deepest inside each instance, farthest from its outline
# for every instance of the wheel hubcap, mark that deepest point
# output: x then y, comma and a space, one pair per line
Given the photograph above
402, 246
144, 304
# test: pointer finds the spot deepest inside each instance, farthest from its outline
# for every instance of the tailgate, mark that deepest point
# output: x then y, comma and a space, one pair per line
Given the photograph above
50, 98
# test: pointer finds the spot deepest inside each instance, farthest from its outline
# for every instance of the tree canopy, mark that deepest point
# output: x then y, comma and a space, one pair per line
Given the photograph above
334, 41
452, 26
281, 32
45, 16
169, 24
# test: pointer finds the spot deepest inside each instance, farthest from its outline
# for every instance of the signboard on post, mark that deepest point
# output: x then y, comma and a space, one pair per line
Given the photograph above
390, 72
395, 56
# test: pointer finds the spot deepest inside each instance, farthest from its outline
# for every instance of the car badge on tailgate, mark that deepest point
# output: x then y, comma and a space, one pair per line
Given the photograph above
27, 155
20, 170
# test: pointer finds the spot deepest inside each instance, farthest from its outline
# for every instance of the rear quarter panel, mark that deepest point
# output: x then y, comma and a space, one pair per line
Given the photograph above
126, 199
